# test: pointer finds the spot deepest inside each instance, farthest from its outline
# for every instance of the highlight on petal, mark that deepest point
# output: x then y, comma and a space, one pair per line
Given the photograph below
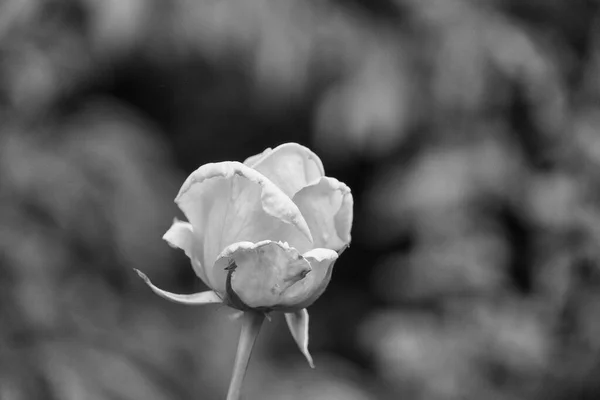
290, 166
194, 299
261, 272
231, 202
250, 161
181, 235
298, 323
304, 292
327, 206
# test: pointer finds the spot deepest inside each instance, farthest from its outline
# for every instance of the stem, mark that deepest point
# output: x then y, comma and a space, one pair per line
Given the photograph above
251, 323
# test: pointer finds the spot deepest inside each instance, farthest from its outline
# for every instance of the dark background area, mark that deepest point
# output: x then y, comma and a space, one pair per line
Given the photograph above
468, 130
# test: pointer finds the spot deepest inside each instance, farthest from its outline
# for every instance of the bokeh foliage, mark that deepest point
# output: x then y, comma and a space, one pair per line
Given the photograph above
467, 129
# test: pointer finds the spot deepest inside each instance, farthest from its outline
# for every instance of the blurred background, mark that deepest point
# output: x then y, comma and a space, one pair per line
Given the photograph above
468, 131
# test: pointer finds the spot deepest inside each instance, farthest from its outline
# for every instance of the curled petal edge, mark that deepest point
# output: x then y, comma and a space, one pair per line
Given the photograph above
274, 201
269, 152
343, 216
181, 235
250, 161
235, 247
290, 166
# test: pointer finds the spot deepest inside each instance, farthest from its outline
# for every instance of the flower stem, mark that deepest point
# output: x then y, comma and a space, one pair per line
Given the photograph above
251, 323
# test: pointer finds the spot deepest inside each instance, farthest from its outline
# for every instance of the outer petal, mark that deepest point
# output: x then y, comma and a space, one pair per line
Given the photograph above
304, 292
181, 235
298, 323
290, 166
262, 271
229, 202
195, 299
327, 207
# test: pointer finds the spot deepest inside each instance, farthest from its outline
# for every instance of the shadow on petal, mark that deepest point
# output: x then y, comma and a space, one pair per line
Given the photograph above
327, 208
304, 292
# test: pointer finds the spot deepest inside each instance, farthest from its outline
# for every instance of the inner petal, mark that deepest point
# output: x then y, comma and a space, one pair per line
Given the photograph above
327, 207
228, 203
290, 166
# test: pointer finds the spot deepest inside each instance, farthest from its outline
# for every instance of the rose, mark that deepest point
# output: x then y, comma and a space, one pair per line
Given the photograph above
263, 235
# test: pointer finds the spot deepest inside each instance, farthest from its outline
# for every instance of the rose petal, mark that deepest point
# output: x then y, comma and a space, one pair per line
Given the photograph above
230, 202
181, 235
298, 323
304, 292
194, 299
262, 271
290, 166
250, 161
327, 207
